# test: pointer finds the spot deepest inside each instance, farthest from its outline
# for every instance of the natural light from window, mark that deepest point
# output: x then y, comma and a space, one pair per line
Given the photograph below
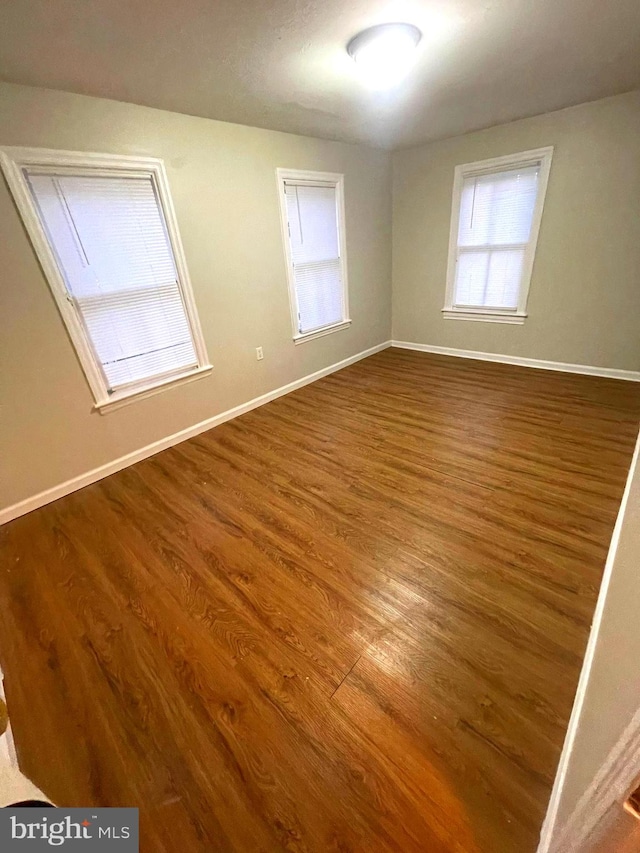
496, 217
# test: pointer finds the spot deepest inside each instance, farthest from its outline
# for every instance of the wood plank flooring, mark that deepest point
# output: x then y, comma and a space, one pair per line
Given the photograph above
351, 620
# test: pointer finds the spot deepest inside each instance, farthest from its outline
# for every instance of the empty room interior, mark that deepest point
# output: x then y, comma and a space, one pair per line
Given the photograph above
320, 397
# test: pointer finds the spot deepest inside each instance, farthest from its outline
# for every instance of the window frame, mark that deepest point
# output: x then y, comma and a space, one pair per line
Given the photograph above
13, 160
325, 179
451, 311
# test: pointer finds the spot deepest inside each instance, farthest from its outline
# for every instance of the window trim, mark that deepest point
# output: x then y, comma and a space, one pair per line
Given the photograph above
517, 315
336, 180
13, 160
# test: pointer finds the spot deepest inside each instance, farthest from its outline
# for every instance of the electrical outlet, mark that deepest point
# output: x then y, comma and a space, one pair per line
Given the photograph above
259, 353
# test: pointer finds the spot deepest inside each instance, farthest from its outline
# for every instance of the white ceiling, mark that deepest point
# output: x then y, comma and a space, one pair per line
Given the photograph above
281, 64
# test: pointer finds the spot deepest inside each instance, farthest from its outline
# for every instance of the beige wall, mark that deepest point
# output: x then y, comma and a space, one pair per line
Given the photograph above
612, 693
584, 302
222, 178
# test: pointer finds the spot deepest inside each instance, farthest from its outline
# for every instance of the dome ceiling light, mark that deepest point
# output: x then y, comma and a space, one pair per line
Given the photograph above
384, 53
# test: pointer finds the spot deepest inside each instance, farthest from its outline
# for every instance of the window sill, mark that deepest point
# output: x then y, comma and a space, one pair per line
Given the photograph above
513, 317
117, 401
320, 333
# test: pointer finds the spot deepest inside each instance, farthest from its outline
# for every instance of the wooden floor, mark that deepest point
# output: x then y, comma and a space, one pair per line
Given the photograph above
351, 620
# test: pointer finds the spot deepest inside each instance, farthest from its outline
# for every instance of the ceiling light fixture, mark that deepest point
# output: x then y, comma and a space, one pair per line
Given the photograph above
384, 53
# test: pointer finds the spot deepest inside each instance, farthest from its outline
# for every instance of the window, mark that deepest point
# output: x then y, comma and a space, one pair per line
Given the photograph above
495, 218
105, 233
312, 207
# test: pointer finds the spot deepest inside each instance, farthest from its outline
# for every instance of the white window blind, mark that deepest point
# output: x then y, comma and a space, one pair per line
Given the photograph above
496, 215
312, 214
110, 241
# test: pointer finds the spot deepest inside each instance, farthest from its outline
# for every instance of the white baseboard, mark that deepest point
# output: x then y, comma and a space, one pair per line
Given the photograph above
591, 808
72, 485
588, 370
